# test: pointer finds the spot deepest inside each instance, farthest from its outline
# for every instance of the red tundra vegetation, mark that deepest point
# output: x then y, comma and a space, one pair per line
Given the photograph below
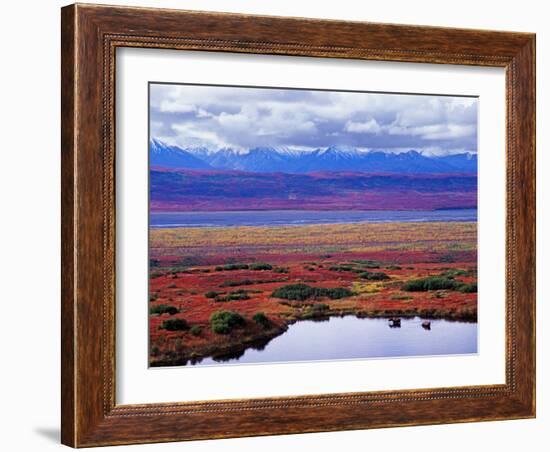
214, 292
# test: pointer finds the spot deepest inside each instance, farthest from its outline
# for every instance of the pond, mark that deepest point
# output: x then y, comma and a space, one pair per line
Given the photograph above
350, 337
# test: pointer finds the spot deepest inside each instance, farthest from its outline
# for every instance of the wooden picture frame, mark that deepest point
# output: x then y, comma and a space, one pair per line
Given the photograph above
90, 36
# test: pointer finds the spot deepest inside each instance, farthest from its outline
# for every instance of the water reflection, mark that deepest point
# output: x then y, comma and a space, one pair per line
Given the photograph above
353, 338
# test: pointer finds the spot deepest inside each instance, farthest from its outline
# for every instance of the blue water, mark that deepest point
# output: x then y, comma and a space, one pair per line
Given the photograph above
303, 217
353, 338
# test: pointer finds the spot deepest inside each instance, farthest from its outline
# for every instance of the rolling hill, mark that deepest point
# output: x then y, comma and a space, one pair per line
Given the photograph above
214, 190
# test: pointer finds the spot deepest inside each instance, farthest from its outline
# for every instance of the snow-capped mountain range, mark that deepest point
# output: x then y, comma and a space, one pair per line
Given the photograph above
333, 158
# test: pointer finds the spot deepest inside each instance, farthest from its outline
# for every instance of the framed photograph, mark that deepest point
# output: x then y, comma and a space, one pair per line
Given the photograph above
282, 225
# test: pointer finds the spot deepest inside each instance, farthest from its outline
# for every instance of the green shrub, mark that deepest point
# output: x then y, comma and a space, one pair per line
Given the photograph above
211, 294
261, 266
393, 267
374, 276
175, 325
294, 292
234, 296
281, 270
231, 267
468, 288
261, 319
303, 292
341, 268
336, 293
244, 282
430, 283
163, 309
367, 263
223, 322
196, 330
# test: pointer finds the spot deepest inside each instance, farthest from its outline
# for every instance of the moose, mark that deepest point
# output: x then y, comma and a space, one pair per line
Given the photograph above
395, 322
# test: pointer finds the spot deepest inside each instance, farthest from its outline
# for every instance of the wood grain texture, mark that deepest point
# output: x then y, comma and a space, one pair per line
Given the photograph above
90, 36
67, 226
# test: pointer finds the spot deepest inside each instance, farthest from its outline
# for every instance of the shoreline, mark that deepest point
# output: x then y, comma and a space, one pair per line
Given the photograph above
236, 348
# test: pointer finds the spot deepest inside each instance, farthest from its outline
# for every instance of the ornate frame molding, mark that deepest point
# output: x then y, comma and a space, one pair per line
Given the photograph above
90, 37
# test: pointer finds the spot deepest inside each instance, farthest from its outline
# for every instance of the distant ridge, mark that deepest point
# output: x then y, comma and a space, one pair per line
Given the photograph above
332, 158
196, 190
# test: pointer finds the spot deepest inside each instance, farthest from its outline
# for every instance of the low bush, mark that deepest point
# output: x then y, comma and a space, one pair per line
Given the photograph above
244, 282
281, 270
342, 268
231, 267
367, 263
303, 292
163, 309
261, 319
175, 325
393, 267
430, 283
468, 288
211, 294
261, 266
196, 330
374, 276
234, 296
336, 293
223, 322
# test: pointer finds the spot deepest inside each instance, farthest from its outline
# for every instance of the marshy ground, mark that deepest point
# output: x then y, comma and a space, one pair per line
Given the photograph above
216, 291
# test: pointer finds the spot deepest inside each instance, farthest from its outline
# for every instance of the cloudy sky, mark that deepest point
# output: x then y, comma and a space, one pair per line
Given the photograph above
244, 118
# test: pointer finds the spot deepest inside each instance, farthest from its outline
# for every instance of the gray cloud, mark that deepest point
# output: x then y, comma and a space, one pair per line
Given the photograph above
243, 118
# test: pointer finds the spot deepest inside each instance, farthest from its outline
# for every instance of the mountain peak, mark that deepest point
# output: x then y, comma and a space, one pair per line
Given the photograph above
268, 159
167, 156
339, 149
